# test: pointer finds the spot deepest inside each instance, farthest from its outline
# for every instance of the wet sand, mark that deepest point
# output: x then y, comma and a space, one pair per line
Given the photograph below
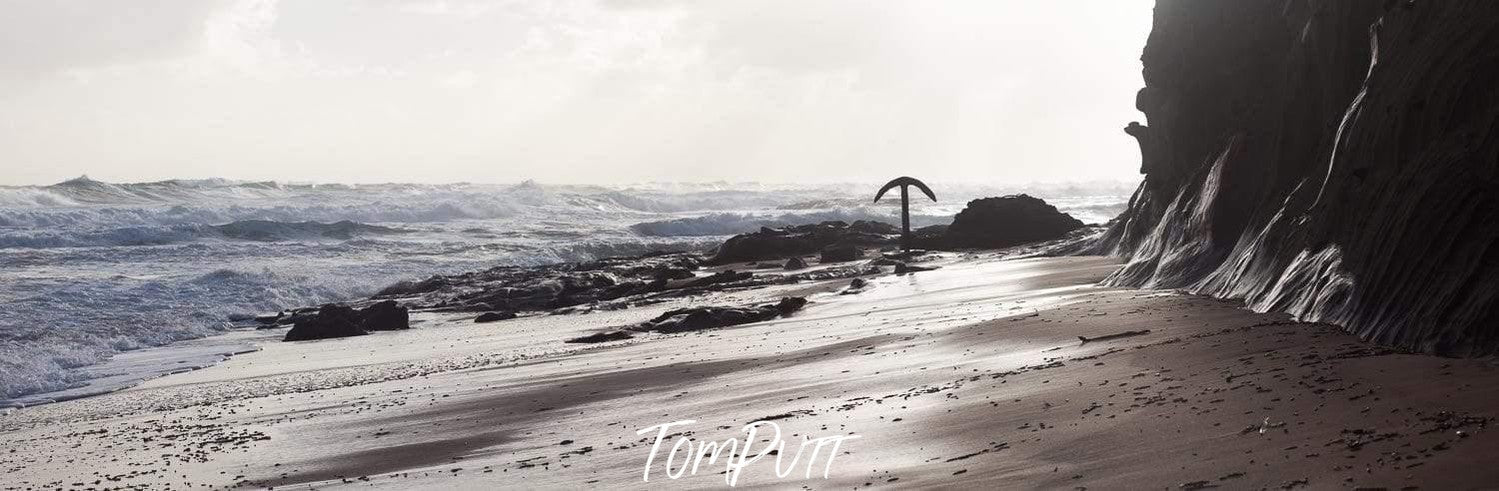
972, 375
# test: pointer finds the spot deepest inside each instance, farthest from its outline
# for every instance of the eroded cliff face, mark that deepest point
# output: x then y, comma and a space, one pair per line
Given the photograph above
1336, 160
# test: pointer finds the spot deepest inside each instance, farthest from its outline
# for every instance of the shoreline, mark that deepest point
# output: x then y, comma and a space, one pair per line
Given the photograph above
971, 374
128, 369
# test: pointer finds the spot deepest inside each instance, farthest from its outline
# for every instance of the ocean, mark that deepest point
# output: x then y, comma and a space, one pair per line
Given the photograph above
164, 270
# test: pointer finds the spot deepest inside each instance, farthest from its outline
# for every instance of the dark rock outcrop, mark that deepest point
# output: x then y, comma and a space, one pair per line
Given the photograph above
338, 321
286, 318
799, 240
1006, 221
725, 276
602, 337
699, 318
414, 287
331, 321
603, 284
1333, 160
384, 316
838, 253
903, 268
494, 316
557, 286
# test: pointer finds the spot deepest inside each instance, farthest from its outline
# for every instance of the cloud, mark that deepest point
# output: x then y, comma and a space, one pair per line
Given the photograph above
42, 38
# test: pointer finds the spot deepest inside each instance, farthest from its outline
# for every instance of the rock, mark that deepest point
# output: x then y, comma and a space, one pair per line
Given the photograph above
602, 337
795, 262
709, 317
1007, 221
699, 318
670, 273
840, 253
494, 316
337, 321
558, 286
296, 315
931, 231
802, 240
788, 305
1286, 169
411, 288
761, 245
903, 268
726, 276
384, 316
872, 227
331, 321
858, 283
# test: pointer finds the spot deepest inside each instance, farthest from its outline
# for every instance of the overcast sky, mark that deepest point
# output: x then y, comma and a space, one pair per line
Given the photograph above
569, 91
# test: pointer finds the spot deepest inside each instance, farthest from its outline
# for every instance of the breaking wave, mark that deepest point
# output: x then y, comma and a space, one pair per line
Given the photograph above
255, 230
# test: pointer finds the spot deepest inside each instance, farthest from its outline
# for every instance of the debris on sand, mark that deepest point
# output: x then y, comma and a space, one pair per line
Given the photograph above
1262, 427
1124, 334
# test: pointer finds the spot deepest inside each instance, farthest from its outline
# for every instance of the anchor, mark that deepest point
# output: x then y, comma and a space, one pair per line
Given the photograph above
905, 182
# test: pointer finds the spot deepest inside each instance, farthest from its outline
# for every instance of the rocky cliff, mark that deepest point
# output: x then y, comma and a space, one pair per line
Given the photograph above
1336, 160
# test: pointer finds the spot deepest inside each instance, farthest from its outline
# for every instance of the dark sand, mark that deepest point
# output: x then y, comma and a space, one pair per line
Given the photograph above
971, 376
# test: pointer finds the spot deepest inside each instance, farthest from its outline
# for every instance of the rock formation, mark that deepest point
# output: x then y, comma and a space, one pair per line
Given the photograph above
838, 253
550, 287
384, 316
1334, 160
771, 243
494, 316
699, 318
601, 337
794, 263
338, 321
1006, 221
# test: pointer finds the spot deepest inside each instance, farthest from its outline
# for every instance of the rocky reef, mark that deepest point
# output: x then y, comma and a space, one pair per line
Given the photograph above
613, 283
986, 223
836, 237
1333, 160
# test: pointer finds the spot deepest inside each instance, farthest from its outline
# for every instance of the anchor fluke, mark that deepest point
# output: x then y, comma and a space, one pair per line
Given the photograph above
904, 182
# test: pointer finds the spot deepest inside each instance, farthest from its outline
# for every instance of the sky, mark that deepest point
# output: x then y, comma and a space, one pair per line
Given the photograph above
569, 91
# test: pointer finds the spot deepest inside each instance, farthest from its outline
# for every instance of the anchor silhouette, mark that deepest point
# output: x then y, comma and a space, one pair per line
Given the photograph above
905, 182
